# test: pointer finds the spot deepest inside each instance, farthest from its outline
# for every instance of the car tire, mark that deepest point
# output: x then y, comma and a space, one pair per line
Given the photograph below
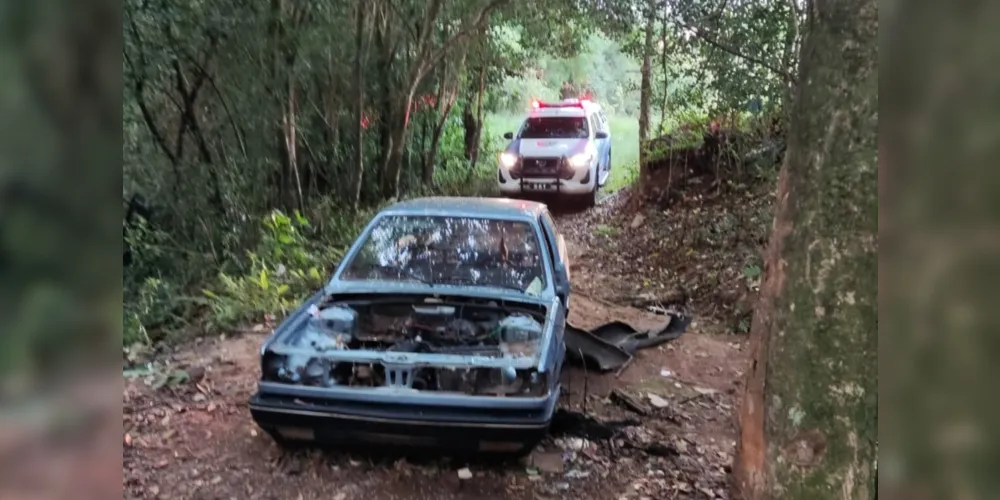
608, 170
590, 199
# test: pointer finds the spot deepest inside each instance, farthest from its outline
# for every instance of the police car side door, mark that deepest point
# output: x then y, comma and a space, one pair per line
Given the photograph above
603, 145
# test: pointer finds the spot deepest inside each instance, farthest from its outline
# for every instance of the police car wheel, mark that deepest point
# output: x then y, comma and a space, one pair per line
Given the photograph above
590, 199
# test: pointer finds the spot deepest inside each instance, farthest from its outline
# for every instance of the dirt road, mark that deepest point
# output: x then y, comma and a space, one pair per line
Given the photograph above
195, 440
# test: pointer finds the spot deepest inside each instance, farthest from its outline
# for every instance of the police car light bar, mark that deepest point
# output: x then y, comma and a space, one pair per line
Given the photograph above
566, 103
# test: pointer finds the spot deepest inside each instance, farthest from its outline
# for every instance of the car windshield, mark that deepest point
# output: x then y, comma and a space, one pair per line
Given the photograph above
555, 127
452, 250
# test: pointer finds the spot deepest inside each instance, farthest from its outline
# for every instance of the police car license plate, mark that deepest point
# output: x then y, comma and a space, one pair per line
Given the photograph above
539, 186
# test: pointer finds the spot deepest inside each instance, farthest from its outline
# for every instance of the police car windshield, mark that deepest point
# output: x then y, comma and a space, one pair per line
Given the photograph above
555, 127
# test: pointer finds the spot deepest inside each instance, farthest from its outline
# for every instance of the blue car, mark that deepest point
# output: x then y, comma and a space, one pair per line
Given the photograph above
442, 327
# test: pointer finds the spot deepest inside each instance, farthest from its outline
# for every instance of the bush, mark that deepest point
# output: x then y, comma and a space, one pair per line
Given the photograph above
284, 269
153, 307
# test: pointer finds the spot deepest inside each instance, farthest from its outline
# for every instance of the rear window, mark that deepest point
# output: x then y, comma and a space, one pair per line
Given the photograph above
555, 127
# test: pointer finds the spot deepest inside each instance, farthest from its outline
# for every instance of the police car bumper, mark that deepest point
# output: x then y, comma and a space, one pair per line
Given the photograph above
583, 182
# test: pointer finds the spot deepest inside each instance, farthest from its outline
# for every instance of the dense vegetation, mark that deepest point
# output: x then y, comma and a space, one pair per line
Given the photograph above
257, 137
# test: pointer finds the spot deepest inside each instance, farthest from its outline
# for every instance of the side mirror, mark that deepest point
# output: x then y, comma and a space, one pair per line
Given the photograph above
601, 135
508, 135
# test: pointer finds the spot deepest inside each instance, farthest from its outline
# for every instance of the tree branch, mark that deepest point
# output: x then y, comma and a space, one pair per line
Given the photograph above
139, 85
698, 32
702, 34
475, 24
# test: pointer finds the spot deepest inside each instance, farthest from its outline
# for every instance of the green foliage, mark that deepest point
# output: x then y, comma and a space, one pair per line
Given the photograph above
597, 65
283, 270
152, 307
232, 110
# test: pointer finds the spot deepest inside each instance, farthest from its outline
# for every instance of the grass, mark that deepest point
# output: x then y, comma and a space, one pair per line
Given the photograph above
624, 145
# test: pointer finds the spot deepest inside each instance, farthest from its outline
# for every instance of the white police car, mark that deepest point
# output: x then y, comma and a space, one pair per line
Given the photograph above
561, 148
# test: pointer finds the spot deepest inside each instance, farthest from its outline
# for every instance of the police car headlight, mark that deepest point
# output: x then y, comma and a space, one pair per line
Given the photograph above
580, 160
508, 160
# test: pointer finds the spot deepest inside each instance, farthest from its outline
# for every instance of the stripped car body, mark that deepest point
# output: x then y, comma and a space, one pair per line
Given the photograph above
443, 326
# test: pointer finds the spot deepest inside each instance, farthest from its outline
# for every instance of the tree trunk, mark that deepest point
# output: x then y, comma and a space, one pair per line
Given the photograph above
394, 156
359, 107
446, 99
645, 86
808, 427
477, 136
469, 125
291, 140
664, 27
788, 54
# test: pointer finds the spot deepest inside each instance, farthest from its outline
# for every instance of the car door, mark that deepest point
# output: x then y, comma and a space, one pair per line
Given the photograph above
605, 145
599, 144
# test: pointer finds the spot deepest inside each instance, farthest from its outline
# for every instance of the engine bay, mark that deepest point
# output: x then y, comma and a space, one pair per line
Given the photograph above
427, 327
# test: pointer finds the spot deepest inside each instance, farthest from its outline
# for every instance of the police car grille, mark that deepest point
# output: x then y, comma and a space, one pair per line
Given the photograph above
540, 167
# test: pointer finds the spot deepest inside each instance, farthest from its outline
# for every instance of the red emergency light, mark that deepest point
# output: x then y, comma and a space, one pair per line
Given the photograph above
568, 103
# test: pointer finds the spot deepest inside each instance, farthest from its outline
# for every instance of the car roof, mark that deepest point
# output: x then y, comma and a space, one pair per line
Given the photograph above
502, 208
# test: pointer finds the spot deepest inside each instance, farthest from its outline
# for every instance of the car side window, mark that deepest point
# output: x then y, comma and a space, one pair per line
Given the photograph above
596, 119
603, 120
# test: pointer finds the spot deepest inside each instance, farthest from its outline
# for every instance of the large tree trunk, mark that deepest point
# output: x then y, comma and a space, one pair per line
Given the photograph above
808, 421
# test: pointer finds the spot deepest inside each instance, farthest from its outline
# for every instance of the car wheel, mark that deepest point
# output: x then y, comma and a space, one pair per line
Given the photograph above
590, 199
607, 169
